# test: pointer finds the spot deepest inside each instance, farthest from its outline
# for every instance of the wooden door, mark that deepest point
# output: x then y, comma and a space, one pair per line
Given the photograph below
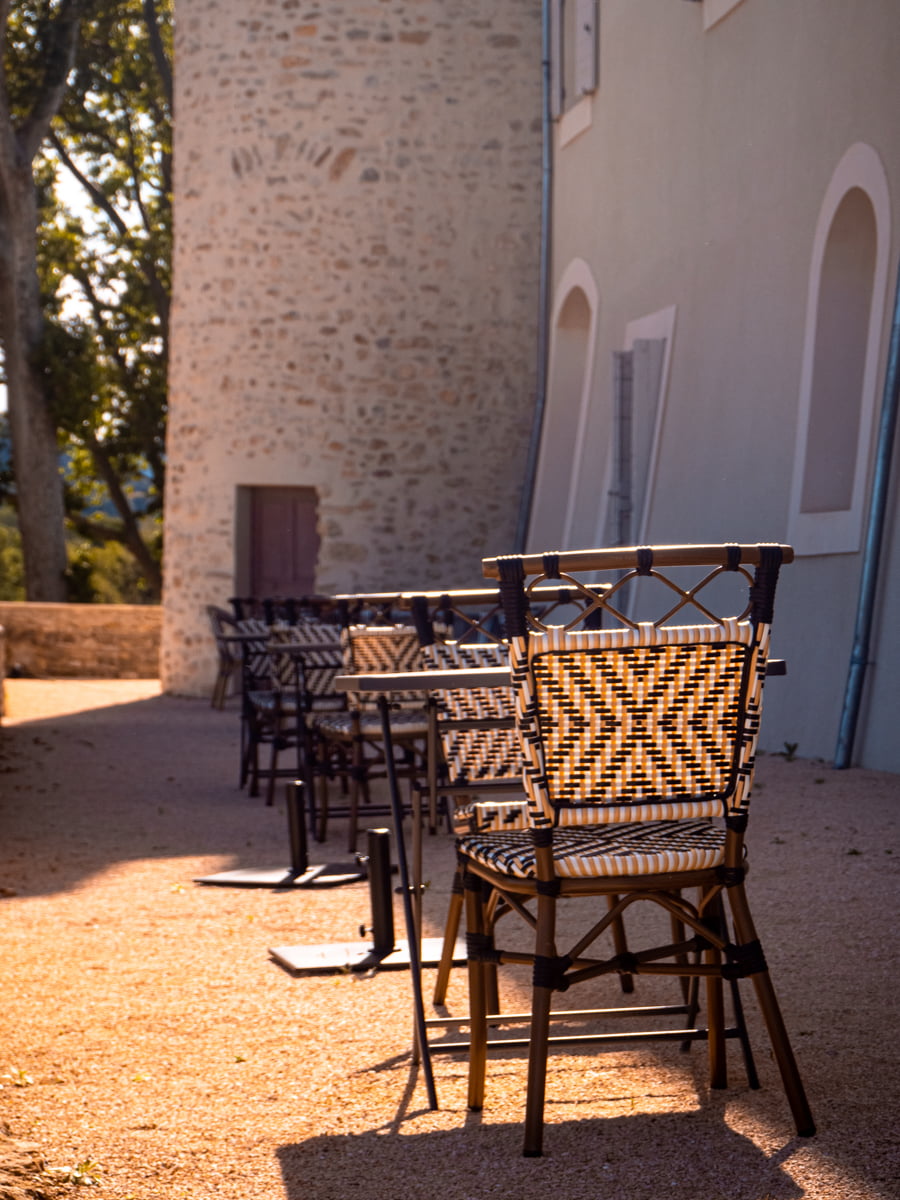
284, 541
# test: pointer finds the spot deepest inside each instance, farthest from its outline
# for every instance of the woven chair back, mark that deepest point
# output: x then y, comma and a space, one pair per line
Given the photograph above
647, 720
313, 670
476, 725
381, 649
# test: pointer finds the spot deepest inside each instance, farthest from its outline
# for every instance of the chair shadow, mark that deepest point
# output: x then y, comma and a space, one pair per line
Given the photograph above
682, 1156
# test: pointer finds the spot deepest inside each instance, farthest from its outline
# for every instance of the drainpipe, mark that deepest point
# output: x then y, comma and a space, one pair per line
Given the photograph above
543, 286
872, 549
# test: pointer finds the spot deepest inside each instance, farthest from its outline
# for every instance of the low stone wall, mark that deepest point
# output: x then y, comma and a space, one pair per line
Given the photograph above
88, 641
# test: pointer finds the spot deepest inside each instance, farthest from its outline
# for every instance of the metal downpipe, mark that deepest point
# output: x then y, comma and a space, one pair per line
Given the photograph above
872, 549
534, 444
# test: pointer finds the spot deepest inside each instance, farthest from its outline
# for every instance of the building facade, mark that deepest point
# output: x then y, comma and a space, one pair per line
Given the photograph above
358, 209
726, 203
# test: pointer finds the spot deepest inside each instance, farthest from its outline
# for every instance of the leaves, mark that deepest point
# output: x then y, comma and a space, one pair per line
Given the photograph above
103, 181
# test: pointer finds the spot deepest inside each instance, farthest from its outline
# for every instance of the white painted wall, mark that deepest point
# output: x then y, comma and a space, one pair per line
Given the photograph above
698, 182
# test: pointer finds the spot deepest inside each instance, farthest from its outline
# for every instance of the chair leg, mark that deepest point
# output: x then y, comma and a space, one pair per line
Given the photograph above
745, 935
539, 1037
322, 825
620, 942
475, 932
273, 766
451, 932
715, 1022
743, 1036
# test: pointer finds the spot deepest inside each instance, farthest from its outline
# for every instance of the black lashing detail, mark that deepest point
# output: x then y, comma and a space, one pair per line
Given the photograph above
422, 621
480, 948
512, 595
551, 972
765, 579
731, 876
744, 960
644, 560
547, 887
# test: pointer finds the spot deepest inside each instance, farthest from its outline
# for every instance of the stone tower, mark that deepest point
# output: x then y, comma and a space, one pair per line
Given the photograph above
357, 207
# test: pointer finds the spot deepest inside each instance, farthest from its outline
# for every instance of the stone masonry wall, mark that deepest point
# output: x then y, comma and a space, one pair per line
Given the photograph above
87, 641
357, 205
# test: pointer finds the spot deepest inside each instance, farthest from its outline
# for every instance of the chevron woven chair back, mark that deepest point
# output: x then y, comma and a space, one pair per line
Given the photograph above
492, 751
318, 664
645, 724
377, 649
645, 720
257, 664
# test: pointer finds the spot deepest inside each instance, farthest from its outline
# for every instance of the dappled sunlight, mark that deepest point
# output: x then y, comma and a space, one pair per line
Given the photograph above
44, 699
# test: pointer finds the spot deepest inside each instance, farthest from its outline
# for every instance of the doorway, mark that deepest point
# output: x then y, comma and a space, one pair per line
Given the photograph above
277, 543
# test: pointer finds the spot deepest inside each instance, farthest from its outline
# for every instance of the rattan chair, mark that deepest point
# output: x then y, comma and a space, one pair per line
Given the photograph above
357, 731
228, 648
256, 678
475, 761
303, 660
639, 740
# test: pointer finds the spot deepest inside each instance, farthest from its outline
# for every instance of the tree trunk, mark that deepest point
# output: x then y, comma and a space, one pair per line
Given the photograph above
39, 491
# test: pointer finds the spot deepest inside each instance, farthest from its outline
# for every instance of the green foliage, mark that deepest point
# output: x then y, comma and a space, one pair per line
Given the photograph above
104, 264
98, 573
12, 568
105, 574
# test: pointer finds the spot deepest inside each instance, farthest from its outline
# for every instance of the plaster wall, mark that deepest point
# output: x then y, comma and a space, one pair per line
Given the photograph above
357, 204
697, 183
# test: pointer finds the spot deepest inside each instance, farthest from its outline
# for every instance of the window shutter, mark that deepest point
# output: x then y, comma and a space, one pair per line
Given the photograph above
585, 48
556, 58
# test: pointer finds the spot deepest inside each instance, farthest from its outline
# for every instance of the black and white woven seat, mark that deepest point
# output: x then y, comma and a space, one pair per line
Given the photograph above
639, 742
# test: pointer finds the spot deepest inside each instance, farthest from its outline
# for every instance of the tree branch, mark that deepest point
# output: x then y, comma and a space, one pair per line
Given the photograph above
58, 57
97, 195
159, 52
131, 534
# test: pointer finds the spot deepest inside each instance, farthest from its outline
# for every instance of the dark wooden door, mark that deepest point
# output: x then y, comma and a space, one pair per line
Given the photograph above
284, 541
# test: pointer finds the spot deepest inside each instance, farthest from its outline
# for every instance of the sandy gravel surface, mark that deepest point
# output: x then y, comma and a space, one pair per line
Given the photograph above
144, 1027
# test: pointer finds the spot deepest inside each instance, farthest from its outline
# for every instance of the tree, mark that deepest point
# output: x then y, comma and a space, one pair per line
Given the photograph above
105, 268
37, 56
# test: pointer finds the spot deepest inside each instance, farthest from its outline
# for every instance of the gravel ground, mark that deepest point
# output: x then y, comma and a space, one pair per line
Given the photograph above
150, 1044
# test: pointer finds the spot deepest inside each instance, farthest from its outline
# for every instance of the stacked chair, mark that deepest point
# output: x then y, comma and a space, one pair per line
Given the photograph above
290, 654
638, 740
302, 660
475, 760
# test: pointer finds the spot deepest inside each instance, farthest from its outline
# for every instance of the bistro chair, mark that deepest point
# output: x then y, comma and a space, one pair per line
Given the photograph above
475, 761
639, 741
303, 660
256, 679
228, 648
356, 732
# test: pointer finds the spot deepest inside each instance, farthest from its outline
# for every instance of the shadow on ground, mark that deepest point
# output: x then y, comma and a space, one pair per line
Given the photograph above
153, 778
679, 1156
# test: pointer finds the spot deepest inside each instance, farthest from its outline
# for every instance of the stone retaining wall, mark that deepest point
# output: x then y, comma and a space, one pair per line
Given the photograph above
67, 641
